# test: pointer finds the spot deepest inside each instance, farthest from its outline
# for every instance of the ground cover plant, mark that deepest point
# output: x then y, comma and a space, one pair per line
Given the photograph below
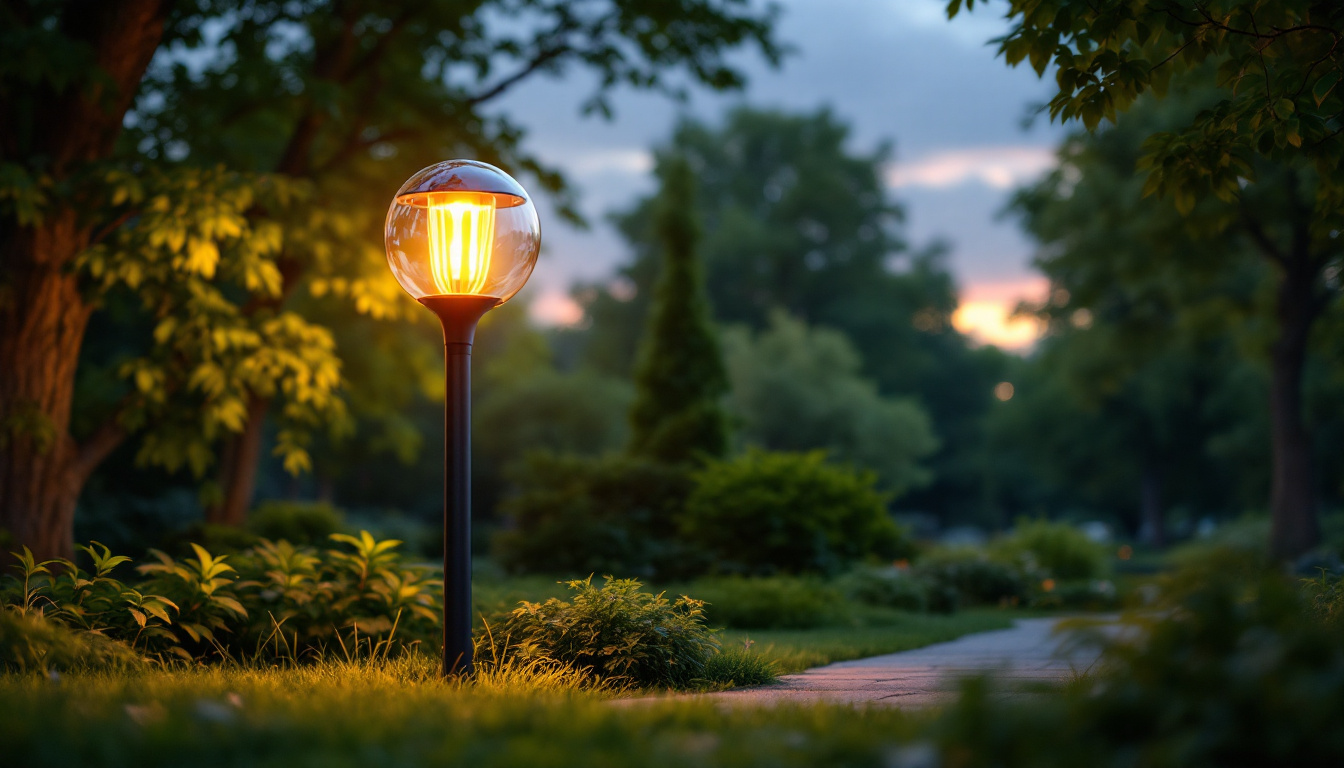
1235, 668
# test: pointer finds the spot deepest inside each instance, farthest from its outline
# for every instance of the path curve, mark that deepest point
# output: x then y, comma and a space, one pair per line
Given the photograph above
1029, 651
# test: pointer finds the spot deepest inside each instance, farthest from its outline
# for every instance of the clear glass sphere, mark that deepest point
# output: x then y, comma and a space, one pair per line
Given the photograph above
462, 227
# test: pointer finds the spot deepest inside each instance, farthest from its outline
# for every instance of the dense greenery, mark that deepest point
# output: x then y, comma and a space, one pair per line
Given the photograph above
1256, 166
765, 512
797, 224
677, 416
1235, 667
218, 174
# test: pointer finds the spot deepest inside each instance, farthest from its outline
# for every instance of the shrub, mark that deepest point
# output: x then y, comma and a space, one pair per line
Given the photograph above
764, 513
29, 642
614, 514
621, 634
298, 522
1059, 549
738, 666
778, 602
274, 602
973, 576
886, 588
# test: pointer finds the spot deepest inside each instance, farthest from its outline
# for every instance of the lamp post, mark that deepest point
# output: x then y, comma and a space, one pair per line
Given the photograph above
462, 238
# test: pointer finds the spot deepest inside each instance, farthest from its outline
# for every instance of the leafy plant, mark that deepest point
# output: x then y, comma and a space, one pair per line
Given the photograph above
765, 512
779, 602
613, 514
621, 634
886, 587
1059, 549
972, 576
296, 522
273, 602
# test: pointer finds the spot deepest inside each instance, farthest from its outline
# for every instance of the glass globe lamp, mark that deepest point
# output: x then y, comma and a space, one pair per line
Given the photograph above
462, 238
462, 228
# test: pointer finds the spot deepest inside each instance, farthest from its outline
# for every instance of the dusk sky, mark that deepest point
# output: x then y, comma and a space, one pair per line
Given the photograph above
895, 70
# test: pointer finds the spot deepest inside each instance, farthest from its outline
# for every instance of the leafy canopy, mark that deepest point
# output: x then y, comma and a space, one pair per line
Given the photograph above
1279, 63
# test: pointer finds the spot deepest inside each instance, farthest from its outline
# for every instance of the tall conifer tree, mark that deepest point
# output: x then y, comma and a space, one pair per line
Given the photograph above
680, 378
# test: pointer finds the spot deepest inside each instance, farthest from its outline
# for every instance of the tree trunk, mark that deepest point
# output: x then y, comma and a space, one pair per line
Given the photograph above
42, 324
43, 315
238, 470
1294, 528
1152, 525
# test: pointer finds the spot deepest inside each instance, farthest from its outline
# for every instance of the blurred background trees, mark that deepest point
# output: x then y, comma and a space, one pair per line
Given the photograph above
197, 314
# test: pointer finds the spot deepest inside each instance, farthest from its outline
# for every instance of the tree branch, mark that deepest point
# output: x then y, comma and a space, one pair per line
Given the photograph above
542, 58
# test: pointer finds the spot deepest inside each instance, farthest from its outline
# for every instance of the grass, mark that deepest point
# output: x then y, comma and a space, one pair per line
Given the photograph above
399, 714
793, 650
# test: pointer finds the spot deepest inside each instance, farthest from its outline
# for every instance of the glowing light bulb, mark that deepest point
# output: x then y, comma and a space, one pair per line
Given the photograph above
461, 238
462, 228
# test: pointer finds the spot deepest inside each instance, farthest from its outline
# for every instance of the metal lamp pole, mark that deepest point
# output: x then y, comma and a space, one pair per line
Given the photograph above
459, 315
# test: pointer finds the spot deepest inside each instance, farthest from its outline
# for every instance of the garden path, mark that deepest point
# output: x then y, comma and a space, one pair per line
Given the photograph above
1031, 651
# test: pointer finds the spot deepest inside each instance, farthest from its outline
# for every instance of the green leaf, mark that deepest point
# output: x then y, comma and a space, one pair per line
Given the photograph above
1325, 85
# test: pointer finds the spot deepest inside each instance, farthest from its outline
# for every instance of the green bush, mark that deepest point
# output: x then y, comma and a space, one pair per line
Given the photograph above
886, 588
298, 522
29, 642
575, 516
765, 513
1059, 549
778, 602
622, 635
972, 576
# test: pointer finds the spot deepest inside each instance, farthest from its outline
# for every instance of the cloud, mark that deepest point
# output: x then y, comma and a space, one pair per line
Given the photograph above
996, 167
632, 161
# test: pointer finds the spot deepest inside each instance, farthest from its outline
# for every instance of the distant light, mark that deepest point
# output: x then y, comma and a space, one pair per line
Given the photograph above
1003, 390
992, 322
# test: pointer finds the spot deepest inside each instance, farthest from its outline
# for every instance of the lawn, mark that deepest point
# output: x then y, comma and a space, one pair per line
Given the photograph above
399, 714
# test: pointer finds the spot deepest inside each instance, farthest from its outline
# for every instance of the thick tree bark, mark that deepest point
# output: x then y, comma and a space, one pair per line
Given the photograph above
42, 325
238, 469
1294, 527
43, 314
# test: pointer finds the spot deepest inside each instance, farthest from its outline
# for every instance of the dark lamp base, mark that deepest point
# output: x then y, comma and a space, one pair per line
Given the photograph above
459, 313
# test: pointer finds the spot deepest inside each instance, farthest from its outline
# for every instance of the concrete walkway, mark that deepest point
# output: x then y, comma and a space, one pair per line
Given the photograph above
1029, 652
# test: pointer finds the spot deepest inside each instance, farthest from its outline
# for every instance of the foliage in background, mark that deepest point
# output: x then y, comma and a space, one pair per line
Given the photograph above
1259, 163
796, 388
613, 514
893, 587
778, 602
968, 576
303, 523
680, 381
797, 220
1059, 550
624, 636
764, 513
